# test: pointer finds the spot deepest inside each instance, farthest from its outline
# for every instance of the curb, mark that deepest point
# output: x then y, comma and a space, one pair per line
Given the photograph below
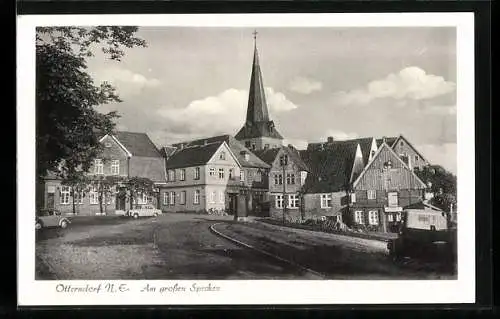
365, 237
218, 233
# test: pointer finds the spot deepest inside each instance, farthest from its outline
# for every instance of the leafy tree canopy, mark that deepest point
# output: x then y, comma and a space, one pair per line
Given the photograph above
443, 185
68, 125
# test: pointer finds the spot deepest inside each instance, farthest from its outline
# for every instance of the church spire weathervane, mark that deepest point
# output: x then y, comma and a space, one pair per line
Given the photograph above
255, 37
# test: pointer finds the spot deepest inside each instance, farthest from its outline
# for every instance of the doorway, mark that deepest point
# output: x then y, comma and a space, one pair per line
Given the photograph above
233, 204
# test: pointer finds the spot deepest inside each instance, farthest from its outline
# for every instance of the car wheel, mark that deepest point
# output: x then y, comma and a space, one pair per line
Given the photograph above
136, 216
155, 214
38, 226
64, 224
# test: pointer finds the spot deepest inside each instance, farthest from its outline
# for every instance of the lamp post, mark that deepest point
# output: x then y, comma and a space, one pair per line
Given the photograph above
284, 163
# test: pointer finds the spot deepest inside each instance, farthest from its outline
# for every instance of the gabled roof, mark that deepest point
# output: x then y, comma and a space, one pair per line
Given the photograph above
385, 145
388, 140
330, 169
235, 146
193, 155
407, 142
269, 156
137, 144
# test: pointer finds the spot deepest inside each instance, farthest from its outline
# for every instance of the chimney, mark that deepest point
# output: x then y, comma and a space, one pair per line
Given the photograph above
205, 142
181, 146
330, 139
384, 139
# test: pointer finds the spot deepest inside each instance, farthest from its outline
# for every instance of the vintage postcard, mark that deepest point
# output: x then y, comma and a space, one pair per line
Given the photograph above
246, 159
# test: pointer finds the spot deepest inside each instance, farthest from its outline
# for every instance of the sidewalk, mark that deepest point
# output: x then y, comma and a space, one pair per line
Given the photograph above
384, 237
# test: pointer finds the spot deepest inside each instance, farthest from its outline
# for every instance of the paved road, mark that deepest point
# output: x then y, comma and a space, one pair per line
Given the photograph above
183, 248
334, 256
179, 246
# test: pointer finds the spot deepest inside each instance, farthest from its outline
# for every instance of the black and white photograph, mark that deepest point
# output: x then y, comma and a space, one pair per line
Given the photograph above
256, 159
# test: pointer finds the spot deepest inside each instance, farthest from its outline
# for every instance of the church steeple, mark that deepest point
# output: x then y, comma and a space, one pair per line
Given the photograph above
259, 131
257, 106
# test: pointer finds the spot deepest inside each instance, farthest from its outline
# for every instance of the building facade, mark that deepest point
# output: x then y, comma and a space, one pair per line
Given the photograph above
333, 168
381, 191
201, 178
286, 178
406, 151
125, 155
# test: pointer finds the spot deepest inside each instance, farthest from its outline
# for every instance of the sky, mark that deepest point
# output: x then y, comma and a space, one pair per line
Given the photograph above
192, 82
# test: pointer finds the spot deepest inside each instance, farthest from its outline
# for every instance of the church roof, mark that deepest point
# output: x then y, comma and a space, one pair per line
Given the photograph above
259, 129
257, 106
258, 123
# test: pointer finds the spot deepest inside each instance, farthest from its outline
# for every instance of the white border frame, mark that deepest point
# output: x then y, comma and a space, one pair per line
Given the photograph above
462, 290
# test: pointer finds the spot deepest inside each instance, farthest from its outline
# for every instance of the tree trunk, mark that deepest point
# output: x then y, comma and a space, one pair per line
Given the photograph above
73, 200
100, 199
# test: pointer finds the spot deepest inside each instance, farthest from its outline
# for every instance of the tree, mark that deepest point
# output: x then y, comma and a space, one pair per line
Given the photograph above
443, 185
137, 186
68, 124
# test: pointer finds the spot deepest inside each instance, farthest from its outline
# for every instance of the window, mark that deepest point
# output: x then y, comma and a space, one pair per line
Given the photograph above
172, 198
183, 175
212, 197
373, 217
247, 144
182, 200
242, 175
326, 200
293, 201
93, 196
142, 199
221, 173
78, 197
398, 217
290, 179
253, 147
230, 173
372, 194
196, 199
115, 167
278, 179
390, 218
358, 217
392, 199
65, 194
211, 171
165, 198
222, 155
196, 173
278, 201
353, 197
98, 166
416, 158
171, 175
266, 146
401, 143
107, 144
222, 197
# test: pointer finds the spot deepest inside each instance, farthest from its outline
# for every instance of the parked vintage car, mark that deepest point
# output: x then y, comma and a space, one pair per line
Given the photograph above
424, 234
144, 210
51, 218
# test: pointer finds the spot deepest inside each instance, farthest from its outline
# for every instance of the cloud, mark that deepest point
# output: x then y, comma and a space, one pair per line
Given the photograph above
127, 83
444, 154
440, 109
410, 83
223, 113
304, 85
